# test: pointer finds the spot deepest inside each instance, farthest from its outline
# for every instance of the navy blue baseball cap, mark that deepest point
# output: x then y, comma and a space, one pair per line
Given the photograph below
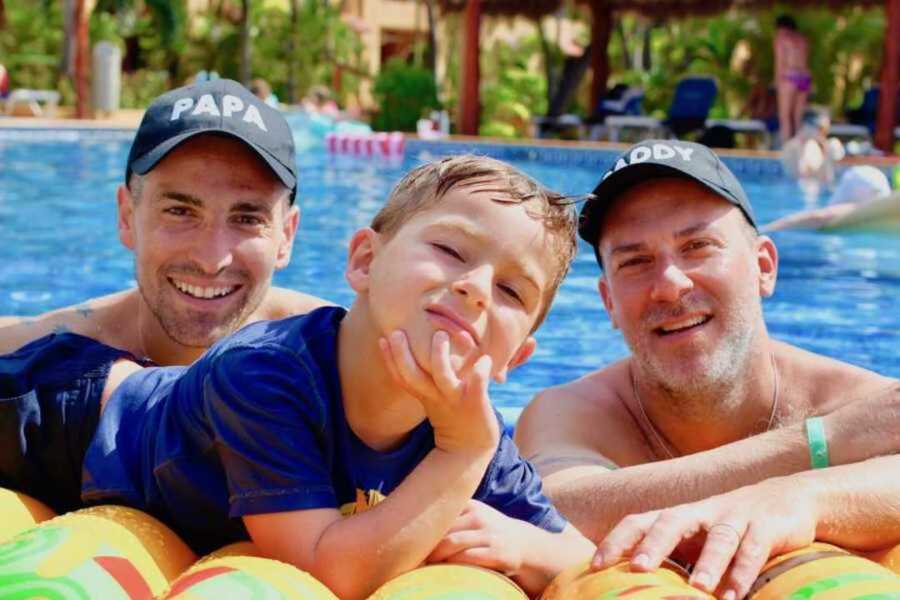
218, 106
655, 159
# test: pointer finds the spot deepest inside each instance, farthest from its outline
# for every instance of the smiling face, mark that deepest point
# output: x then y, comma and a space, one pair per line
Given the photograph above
208, 225
684, 273
475, 265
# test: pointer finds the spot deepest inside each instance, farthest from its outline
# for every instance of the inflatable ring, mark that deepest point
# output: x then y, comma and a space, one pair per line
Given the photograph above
668, 581
889, 557
19, 513
238, 570
450, 582
107, 552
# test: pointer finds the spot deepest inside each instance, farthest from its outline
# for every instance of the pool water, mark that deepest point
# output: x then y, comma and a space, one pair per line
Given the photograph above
837, 294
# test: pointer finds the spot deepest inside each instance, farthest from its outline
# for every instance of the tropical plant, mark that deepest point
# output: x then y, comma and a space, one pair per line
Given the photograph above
513, 91
404, 94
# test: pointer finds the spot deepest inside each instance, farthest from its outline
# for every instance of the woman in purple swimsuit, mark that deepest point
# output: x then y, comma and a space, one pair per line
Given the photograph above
792, 76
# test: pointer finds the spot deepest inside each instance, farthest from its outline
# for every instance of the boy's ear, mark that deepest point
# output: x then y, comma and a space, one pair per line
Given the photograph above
603, 286
520, 357
125, 220
363, 246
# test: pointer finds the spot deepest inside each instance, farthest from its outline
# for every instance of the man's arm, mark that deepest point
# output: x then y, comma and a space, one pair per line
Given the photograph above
595, 498
856, 506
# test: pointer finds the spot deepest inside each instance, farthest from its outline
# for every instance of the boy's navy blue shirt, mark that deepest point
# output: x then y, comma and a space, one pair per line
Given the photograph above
257, 425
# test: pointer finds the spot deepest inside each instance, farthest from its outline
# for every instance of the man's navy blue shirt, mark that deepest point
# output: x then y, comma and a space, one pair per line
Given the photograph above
257, 425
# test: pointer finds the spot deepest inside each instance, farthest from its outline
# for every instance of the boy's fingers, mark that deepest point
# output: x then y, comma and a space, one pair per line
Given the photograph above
722, 541
619, 542
748, 562
479, 378
456, 542
479, 556
441, 368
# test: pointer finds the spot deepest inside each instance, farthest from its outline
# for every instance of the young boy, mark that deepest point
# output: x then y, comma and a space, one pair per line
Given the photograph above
359, 444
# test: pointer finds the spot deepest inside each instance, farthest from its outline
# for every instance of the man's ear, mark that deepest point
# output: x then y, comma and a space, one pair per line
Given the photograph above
520, 357
767, 262
363, 247
606, 296
288, 233
125, 221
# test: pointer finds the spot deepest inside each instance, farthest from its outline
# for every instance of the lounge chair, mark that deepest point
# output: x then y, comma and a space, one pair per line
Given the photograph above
694, 96
621, 100
34, 99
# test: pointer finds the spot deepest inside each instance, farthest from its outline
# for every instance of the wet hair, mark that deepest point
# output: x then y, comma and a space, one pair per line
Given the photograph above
787, 22
425, 186
815, 117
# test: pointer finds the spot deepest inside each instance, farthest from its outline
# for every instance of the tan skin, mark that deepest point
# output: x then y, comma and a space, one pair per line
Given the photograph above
212, 215
660, 257
791, 56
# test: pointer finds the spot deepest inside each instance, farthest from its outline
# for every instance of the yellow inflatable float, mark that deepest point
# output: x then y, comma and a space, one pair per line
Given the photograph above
238, 571
19, 512
824, 572
450, 582
106, 552
620, 582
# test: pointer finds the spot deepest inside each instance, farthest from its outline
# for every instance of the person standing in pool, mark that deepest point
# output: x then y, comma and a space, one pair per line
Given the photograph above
707, 401
792, 77
208, 208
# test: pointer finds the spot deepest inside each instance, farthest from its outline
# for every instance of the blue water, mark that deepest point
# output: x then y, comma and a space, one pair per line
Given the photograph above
837, 293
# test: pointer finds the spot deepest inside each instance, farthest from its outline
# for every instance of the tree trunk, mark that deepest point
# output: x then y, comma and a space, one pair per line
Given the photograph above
246, 45
432, 39
292, 50
82, 58
2, 15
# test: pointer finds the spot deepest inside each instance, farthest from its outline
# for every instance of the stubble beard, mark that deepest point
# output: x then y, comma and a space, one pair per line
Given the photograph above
191, 328
697, 386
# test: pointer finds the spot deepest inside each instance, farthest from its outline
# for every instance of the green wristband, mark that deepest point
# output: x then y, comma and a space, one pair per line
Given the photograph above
818, 443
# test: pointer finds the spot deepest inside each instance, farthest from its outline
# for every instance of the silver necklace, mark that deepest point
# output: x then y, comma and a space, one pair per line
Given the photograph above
658, 436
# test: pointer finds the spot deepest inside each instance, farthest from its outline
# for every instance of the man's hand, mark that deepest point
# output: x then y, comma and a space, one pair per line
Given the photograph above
738, 531
456, 403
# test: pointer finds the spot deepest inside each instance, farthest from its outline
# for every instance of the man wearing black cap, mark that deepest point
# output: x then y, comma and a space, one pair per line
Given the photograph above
208, 207
707, 402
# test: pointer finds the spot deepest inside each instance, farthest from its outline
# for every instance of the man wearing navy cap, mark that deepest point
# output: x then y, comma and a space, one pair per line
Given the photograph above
707, 402
208, 208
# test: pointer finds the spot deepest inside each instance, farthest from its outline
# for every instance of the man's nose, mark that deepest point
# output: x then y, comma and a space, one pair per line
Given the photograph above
670, 283
213, 249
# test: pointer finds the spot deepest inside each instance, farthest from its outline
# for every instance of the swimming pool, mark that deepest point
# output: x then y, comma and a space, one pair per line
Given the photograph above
836, 294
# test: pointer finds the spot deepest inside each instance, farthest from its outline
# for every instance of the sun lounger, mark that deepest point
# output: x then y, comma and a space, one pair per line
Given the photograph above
849, 130
748, 126
694, 96
34, 100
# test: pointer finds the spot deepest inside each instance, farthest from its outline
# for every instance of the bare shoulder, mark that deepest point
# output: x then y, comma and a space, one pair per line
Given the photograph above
822, 383
99, 318
586, 421
282, 302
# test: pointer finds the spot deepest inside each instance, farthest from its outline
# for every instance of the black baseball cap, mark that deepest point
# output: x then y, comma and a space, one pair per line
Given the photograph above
655, 159
218, 106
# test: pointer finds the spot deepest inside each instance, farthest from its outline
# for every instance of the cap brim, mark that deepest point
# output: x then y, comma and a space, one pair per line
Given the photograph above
142, 165
609, 189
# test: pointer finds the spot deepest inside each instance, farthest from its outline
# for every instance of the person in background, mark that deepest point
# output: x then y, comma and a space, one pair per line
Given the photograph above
262, 90
810, 156
792, 76
858, 186
4, 82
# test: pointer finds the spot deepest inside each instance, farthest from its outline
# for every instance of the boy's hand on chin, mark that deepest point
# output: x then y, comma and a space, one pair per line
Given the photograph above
484, 537
455, 402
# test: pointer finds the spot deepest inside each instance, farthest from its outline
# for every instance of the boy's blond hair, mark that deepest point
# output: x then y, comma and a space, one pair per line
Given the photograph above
424, 186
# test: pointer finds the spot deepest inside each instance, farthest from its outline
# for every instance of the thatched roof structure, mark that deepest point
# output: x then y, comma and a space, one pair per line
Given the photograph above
650, 8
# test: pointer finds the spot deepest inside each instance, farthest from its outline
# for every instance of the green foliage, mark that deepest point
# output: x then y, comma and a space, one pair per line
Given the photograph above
514, 90
31, 43
404, 93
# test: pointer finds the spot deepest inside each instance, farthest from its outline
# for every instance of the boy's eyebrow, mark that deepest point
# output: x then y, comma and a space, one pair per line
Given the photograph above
528, 273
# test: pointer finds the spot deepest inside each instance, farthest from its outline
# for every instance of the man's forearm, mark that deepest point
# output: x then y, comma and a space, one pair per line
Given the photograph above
858, 505
596, 501
396, 535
